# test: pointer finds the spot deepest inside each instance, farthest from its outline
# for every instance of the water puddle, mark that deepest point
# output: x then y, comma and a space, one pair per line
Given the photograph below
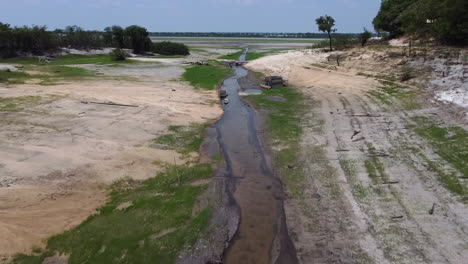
250, 92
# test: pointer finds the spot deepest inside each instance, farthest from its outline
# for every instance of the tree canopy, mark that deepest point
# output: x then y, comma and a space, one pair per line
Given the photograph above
326, 24
444, 20
37, 39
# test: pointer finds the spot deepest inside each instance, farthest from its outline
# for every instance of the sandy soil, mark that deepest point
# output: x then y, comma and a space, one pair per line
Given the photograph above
345, 216
56, 157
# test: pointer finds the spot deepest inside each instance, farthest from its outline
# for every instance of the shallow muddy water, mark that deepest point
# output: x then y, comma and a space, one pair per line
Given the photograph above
262, 235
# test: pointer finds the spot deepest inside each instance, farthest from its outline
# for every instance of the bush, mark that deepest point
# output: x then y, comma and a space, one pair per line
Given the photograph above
118, 55
364, 37
406, 74
170, 48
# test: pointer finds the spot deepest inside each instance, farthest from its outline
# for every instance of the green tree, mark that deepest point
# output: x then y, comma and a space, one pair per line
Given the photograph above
138, 38
365, 36
114, 36
326, 24
389, 16
170, 48
444, 20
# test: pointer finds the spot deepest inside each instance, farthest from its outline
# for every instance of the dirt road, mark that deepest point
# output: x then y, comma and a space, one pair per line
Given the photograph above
370, 192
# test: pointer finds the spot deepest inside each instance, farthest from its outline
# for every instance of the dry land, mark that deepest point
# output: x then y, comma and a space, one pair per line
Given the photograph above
61, 149
379, 171
370, 143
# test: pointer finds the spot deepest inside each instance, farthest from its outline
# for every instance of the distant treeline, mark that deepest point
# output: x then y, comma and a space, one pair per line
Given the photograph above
37, 39
241, 35
442, 20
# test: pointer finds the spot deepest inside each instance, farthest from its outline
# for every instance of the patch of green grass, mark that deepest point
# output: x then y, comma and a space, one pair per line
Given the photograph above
284, 128
390, 89
69, 60
258, 55
232, 56
59, 69
375, 168
14, 77
68, 72
142, 222
349, 169
51, 75
184, 139
284, 119
451, 144
14, 104
207, 76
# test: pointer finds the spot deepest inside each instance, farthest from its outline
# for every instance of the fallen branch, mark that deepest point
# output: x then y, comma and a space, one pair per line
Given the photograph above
342, 150
431, 212
377, 155
108, 103
397, 217
355, 134
364, 115
392, 182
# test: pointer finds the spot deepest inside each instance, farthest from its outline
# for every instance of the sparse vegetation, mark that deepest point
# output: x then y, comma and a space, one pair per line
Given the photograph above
207, 76
58, 69
449, 142
284, 130
148, 220
389, 89
13, 77
184, 139
349, 169
13, 104
67, 60
232, 56
258, 55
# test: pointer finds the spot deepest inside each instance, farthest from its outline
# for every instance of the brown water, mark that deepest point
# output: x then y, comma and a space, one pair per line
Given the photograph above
262, 235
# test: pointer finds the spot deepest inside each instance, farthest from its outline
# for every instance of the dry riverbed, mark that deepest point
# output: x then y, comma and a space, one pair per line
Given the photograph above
59, 150
379, 175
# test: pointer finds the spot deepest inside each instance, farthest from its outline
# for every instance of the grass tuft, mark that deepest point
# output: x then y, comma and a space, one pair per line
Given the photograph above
184, 139
14, 104
232, 56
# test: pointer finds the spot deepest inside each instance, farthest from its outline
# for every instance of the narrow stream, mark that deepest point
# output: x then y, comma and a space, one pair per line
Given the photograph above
262, 236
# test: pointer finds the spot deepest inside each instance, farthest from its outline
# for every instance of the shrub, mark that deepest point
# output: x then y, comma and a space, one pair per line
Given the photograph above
118, 55
365, 36
170, 48
406, 74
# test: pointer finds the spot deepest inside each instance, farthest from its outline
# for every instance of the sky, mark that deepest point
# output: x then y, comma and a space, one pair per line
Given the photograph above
192, 15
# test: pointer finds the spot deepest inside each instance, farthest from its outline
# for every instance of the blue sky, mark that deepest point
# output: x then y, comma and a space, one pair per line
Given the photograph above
192, 15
